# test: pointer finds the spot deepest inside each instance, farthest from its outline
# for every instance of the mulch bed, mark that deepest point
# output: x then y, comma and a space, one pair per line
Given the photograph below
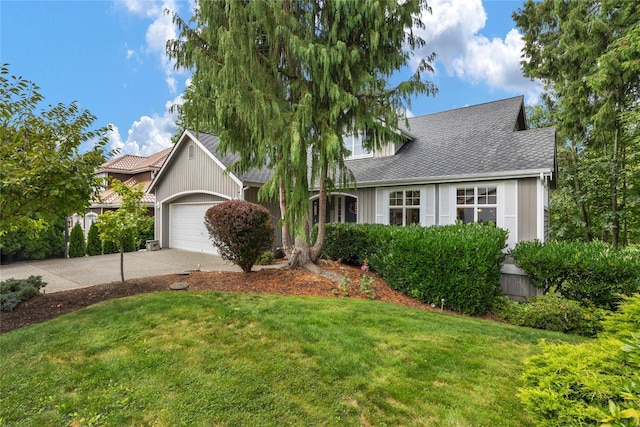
282, 281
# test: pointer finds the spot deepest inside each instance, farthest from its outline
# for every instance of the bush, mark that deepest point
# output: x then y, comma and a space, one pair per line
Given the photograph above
352, 243
591, 273
14, 291
109, 247
49, 243
77, 244
458, 263
586, 383
241, 230
265, 258
94, 244
551, 312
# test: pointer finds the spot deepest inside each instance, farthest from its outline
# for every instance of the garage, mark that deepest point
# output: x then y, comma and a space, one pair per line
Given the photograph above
188, 231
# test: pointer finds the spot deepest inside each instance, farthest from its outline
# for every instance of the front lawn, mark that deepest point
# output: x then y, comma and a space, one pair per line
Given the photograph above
229, 359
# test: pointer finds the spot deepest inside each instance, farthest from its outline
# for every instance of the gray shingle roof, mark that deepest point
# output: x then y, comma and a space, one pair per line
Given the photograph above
465, 143
479, 140
211, 142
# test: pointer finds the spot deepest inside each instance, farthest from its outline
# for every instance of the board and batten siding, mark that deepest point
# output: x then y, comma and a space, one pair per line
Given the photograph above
366, 205
527, 208
251, 195
191, 177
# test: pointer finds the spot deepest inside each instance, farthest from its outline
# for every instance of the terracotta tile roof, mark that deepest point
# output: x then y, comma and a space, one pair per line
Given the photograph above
110, 197
129, 162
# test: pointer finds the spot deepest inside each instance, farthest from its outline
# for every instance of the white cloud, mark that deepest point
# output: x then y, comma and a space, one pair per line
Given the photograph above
159, 31
147, 135
453, 31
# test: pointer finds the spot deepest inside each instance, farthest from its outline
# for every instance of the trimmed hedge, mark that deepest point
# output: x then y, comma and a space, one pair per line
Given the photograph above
592, 273
458, 263
94, 244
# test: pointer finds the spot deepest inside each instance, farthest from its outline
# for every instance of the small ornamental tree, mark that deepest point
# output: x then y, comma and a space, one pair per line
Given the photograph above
241, 231
77, 244
94, 244
120, 226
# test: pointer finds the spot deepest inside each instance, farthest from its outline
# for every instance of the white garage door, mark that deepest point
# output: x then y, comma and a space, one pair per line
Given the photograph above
187, 230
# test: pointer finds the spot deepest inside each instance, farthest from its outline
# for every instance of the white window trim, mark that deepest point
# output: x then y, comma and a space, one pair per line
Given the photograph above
350, 138
383, 215
475, 205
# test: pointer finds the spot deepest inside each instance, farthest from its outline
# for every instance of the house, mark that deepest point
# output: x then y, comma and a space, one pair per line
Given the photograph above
477, 163
131, 170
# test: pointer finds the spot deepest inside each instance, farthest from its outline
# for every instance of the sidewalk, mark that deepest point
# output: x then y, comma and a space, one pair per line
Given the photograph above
64, 274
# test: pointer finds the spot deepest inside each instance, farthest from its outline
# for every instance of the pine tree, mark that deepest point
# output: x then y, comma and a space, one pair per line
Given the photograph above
77, 244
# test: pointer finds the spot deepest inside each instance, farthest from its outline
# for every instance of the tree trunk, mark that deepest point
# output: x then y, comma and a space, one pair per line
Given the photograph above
577, 192
615, 227
299, 253
122, 262
322, 216
286, 231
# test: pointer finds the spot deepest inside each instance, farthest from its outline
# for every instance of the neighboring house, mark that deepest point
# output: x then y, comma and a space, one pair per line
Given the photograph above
131, 170
477, 163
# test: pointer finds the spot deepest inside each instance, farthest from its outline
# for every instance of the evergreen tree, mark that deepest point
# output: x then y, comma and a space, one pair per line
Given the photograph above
586, 53
281, 82
94, 244
77, 244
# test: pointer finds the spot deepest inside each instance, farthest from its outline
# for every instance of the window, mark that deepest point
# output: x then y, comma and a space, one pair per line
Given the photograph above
404, 207
355, 144
192, 152
476, 204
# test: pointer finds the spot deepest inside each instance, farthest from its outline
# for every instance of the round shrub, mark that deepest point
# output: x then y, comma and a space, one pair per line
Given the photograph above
241, 230
77, 244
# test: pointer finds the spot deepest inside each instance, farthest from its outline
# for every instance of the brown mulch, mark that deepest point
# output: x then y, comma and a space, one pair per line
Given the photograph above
283, 281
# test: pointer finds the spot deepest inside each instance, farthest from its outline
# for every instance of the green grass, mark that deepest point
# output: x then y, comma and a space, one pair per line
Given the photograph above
215, 359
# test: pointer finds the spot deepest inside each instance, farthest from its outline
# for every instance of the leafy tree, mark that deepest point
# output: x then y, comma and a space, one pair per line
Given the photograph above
94, 244
281, 82
44, 175
240, 230
586, 52
77, 244
120, 226
47, 243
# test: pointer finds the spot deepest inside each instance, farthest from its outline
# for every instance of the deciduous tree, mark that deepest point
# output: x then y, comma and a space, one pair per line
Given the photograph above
44, 175
121, 225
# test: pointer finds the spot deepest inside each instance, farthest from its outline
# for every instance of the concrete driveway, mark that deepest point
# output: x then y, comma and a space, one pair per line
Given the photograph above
64, 274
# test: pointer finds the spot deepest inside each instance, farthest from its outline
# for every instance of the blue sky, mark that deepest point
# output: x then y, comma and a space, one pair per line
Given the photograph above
109, 57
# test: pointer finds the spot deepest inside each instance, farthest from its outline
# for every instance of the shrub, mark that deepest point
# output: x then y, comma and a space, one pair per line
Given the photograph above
109, 247
458, 263
591, 273
49, 243
77, 244
241, 230
573, 384
551, 312
352, 242
265, 258
14, 291
94, 244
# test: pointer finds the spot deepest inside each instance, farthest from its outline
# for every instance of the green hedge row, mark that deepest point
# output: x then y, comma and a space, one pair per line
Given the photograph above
458, 263
591, 273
